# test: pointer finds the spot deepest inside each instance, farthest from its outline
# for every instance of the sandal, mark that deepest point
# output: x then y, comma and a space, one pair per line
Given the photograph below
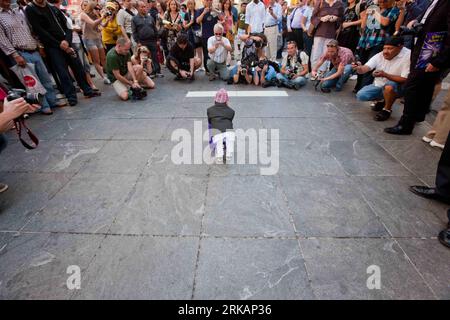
383, 115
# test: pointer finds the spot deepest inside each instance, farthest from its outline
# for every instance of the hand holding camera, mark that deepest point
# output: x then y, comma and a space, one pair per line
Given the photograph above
18, 105
378, 73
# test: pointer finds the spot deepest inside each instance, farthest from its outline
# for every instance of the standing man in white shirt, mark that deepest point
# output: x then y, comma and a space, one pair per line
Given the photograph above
255, 13
218, 48
272, 19
390, 70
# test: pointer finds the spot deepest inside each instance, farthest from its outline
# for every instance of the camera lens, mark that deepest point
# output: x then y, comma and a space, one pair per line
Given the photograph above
34, 98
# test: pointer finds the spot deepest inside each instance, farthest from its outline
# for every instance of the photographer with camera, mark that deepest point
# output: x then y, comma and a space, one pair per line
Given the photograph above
218, 48
341, 58
390, 70
271, 21
181, 60
111, 30
145, 34
127, 79
294, 68
11, 110
17, 42
429, 58
142, 58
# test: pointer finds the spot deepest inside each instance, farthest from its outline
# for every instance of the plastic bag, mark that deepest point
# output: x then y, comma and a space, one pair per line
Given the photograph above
29, 78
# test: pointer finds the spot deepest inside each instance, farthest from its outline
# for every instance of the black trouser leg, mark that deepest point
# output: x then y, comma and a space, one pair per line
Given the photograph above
59, 64
299, 38
79, 74
419, 90
443, 172
205, 54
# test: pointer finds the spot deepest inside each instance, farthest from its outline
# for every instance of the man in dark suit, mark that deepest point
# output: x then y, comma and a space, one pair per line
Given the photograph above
421, 81
442, 190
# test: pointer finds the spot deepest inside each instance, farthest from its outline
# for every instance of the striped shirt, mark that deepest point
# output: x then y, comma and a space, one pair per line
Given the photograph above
15, 34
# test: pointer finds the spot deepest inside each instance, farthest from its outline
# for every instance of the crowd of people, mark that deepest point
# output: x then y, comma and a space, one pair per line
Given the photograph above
396, 50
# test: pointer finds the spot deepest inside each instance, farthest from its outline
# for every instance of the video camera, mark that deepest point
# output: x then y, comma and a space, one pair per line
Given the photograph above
414, 31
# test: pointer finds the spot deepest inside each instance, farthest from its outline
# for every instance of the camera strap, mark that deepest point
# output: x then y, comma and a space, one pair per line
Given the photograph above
19, 124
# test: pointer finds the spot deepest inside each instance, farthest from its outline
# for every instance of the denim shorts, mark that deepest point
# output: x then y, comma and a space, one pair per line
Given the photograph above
93, 43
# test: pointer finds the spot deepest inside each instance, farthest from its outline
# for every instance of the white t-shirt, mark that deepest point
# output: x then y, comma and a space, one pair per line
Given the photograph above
398, 66
220, 55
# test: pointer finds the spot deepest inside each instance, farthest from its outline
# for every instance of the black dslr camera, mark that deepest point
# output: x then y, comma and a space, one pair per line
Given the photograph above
262, 63
138, 93
19, 122
414, 31
31, 98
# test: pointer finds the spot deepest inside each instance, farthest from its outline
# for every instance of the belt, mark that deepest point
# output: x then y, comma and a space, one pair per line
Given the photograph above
274, 25
25, 50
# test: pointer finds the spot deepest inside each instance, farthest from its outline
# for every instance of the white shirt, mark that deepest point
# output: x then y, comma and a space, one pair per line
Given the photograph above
277, 11
398, 66
255, 15
220, 55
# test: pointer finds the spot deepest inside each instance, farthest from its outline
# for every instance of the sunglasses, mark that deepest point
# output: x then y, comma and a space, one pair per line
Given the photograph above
218, 34
331, 46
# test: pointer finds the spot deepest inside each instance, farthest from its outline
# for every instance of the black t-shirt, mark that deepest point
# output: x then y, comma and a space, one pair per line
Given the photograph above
183, 56
208, 23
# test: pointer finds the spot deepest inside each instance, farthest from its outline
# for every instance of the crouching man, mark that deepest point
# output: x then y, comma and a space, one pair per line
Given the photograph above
218, 48
391, 69
125, 78
293, 68
341, 58
181, 60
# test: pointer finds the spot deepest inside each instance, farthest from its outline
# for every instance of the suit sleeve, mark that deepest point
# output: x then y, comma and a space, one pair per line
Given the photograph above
442, 60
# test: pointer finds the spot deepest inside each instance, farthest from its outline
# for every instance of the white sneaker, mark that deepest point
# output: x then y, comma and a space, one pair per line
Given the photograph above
229, 158
3, 187
219, 160
106, 80
426, 139
435, 144
354, 77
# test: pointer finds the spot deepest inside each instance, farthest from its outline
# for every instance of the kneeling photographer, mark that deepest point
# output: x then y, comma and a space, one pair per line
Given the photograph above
293, 68
11, 111
181, 60
127, 80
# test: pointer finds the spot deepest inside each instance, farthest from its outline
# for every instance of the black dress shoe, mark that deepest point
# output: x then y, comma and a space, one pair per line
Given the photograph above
429, 193
400, 130
444, 237
93, 94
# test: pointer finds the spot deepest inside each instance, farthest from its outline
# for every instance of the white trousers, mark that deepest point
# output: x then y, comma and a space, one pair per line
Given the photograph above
272, 42
218, 140
318, 49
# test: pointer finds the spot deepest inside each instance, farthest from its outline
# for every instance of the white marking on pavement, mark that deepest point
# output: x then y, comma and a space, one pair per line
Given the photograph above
238, 94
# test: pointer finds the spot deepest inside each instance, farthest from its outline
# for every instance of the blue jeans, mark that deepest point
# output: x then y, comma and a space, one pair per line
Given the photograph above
372, 92
270, 74
301, 81
338, 82
43, 75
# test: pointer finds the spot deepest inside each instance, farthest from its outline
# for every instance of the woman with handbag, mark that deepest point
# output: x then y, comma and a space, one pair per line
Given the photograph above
326, 20
172, 22
194, 30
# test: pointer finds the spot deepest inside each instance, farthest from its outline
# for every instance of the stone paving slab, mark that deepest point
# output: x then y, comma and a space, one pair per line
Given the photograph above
251, 269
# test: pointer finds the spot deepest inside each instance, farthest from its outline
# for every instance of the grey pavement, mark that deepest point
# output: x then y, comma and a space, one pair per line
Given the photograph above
102, 192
